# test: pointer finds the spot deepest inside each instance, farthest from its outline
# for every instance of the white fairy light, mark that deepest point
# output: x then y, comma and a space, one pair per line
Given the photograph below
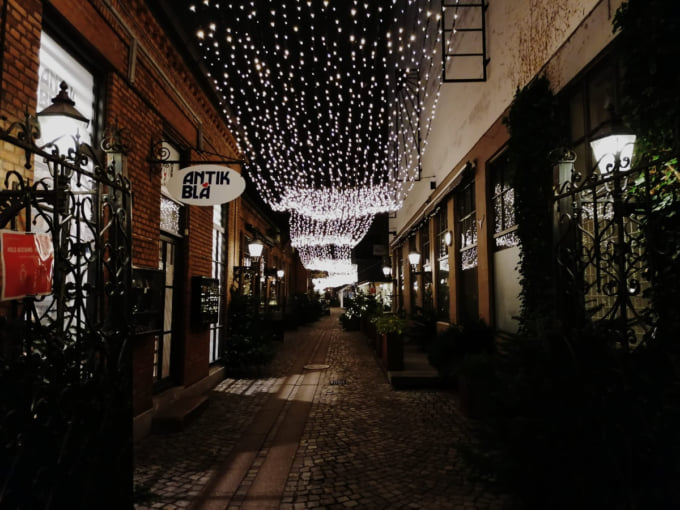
321, 105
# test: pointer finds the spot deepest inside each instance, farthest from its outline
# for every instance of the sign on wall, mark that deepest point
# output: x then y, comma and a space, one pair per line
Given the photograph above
205, 185
27, 264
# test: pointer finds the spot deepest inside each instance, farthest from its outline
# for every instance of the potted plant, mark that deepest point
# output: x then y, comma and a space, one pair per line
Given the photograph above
389, 328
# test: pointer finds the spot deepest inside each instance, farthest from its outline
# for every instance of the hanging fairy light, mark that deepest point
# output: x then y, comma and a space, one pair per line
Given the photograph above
305, 231
331, 101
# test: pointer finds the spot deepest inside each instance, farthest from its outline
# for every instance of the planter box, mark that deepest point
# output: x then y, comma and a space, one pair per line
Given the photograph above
392, 351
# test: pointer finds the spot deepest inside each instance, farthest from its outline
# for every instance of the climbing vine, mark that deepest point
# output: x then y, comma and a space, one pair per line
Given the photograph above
534, 127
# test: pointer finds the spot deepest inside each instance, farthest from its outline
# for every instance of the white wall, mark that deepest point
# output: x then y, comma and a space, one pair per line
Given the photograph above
506, 289
522, 36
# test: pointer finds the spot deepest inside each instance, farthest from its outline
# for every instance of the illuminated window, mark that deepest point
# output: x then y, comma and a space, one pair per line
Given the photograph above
503, 202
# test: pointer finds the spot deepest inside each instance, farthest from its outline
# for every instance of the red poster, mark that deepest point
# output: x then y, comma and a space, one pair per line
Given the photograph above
27, 263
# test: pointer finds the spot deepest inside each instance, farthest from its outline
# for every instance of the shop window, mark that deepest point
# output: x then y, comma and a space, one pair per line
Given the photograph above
58, 65
400, 277
503, 202
441, 224
427, 267
590, 103
414, 277
219, 262
466, 219
171, 209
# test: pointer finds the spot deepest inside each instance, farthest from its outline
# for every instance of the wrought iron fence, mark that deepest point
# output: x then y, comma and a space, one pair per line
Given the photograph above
65, 373
611, 230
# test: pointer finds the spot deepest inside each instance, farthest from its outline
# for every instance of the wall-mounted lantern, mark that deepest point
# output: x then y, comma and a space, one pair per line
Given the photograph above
612, 145
448, 238
255, 248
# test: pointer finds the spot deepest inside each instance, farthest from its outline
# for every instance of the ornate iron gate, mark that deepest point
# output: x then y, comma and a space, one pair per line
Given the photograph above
65, 377
609, 235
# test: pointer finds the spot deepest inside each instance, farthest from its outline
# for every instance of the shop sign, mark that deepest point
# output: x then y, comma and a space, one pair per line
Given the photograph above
27, 264
205, 185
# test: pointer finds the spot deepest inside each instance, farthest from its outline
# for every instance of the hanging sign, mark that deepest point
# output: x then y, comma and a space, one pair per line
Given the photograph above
27, 264
205, 185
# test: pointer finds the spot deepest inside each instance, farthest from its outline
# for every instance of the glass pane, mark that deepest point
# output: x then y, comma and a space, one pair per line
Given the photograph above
498, 213
508, 209
576, 116
167, 341
170, 215
601, 97
469, 258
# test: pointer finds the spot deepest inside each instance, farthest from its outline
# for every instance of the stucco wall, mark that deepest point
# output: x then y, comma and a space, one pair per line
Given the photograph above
523, 36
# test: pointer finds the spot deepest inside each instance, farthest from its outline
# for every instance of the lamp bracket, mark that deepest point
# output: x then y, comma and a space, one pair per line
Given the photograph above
160, 155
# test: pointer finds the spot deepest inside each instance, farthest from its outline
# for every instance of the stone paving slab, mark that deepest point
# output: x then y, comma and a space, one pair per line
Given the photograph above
364, 445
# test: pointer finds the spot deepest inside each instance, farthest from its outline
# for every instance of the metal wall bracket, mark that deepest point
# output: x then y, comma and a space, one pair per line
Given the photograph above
159, 154
464, 41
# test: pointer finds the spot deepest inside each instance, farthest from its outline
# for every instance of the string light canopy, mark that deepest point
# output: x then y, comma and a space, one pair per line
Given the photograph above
344, 231
331, 101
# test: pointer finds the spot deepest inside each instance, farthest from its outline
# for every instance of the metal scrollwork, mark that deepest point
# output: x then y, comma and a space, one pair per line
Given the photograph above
65, 370
603, 247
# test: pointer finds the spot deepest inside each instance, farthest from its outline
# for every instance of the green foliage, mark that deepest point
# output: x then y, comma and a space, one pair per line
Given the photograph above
650, 105
534, 126
362, 306
648, 38
388, 323
249, 342
571, 421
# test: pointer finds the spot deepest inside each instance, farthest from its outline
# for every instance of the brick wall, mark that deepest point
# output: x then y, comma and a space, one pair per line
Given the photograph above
151, 97
21, 30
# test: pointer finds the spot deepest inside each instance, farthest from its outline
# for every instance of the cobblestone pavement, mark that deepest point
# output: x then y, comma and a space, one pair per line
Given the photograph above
363, 446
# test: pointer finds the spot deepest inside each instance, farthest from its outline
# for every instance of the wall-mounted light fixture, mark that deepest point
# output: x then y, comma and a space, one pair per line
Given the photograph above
61, 122
414, 259
63, 106
613, 150
255, 248
280, 273
448, 238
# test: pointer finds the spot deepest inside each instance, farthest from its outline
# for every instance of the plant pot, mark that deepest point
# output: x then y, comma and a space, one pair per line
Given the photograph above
392, 351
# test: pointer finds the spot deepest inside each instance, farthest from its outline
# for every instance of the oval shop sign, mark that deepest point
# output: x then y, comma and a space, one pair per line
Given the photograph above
205, 185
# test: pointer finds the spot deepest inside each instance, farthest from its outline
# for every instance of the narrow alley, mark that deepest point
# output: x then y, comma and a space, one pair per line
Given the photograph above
321, 428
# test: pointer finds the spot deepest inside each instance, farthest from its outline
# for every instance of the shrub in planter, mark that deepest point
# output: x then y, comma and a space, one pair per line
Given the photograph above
361, 306
249, 342
389, 323
389, 328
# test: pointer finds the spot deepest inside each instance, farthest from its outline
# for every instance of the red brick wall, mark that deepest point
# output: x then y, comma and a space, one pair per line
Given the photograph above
153, 97
19, 71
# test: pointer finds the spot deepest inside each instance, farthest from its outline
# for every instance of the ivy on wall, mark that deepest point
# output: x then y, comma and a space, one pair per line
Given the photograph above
534, 126
651, 106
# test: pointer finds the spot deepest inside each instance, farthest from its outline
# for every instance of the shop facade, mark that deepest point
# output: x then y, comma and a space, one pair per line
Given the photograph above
145, 114
460, 221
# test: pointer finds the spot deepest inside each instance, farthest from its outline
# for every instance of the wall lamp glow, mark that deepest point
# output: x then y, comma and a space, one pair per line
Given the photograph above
255, 248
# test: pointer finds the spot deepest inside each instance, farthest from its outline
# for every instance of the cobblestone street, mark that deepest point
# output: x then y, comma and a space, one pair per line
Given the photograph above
299, 438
